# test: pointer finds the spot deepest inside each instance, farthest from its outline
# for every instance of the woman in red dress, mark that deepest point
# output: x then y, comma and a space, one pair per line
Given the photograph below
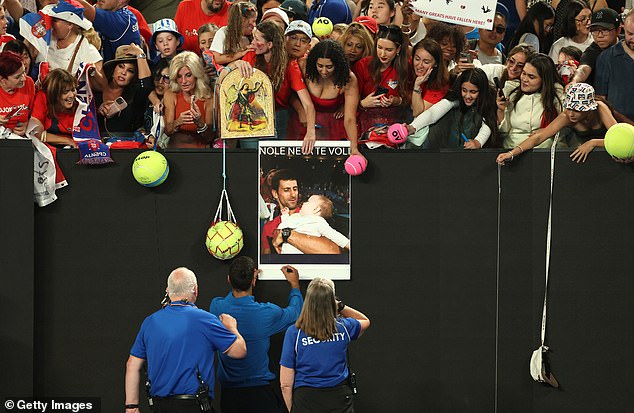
334, 91
384, 81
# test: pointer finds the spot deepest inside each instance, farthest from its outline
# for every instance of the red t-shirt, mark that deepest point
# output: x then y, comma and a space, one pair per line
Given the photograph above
367, 85
61, 124
144, 29
190, 16
21, 100
293, 80
434, 95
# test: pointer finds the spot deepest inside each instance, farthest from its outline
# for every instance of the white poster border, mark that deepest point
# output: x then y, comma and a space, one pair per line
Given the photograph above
306, 271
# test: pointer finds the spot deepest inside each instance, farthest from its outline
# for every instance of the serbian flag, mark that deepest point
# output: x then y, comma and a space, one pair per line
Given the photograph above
85, 127
36, 29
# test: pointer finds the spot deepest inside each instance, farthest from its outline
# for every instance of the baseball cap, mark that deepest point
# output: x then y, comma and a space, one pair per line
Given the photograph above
296, 9
369, 23
299, 26
276, 12
607, 18
580, 97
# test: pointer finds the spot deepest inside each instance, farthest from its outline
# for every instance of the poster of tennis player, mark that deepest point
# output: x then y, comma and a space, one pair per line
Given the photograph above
473, 13
304, 209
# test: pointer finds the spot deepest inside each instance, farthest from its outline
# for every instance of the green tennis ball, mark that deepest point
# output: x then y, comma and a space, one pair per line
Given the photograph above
150, 168
224, 240
322, 26
619, 141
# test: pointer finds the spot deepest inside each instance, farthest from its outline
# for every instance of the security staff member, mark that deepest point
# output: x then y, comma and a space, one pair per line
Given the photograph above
178, 343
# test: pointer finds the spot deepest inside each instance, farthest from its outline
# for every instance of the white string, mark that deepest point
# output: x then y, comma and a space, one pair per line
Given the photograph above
497, 289
548, 235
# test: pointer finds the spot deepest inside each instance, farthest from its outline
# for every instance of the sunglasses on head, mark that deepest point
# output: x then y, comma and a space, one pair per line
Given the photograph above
247, 8
384, 30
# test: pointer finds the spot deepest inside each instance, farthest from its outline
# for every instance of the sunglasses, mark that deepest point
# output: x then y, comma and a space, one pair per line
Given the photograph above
384, 30
162, 78
498, 29
247, 8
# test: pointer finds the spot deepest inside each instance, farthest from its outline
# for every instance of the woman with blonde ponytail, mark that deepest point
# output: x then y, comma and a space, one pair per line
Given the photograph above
73, 41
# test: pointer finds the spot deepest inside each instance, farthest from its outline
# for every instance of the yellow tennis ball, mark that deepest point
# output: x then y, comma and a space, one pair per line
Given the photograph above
224, 240
322, 26
619, 140
150, 168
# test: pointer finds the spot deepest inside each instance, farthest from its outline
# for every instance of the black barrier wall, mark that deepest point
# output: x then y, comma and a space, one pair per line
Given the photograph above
447, 334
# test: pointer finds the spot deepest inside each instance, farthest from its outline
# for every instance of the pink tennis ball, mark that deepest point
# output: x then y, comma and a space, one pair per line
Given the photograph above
397, 133
355, 165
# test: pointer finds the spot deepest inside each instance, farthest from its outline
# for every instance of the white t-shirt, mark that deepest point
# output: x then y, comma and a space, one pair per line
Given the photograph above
567, 41
218, 44
60, 58
310, 225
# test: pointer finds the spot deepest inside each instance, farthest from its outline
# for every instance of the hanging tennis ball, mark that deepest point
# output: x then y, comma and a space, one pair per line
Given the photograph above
224, 240
322, 26
150, 168
619, 140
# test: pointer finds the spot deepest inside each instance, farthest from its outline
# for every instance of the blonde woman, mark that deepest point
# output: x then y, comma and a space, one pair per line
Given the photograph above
73, 41
314, 372
357, 43
188, 103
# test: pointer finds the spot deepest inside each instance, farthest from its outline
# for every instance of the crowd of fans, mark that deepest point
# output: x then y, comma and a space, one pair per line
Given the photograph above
567, 69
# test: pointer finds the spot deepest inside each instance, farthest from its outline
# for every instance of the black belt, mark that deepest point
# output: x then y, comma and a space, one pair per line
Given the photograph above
178, 397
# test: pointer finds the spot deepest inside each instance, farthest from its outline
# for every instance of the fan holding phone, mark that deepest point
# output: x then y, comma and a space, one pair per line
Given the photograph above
123, 100
383, 80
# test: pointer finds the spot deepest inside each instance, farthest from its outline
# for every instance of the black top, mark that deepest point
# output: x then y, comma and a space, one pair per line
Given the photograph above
129, 119
589, 57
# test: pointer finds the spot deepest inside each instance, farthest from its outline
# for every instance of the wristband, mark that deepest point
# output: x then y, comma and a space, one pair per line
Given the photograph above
340, 306
203, 129
131, 406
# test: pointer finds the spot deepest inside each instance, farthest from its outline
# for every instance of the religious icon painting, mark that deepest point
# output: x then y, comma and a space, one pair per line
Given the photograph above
247, 106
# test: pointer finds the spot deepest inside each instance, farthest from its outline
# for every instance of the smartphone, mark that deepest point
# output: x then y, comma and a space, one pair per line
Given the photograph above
466, 57
380, 91
498, 85
117, 106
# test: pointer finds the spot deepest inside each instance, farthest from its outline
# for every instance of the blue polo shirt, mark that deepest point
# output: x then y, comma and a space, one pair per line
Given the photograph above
178, 341
319, 363
257, 322
336, 10
614, 78
117, 28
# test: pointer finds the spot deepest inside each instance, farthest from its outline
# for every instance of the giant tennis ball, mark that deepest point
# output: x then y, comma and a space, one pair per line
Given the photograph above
150, 168
355, 165
619, 141
224, 240
397, 133
322, 26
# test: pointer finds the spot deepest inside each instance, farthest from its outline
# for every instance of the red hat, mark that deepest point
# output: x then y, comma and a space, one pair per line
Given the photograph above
369, 23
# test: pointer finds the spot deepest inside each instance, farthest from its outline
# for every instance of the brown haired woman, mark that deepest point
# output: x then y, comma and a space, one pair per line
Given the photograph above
231, 42
313, 371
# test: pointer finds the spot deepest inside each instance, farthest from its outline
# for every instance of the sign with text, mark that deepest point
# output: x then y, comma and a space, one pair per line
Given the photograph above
304, 210
472, 13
